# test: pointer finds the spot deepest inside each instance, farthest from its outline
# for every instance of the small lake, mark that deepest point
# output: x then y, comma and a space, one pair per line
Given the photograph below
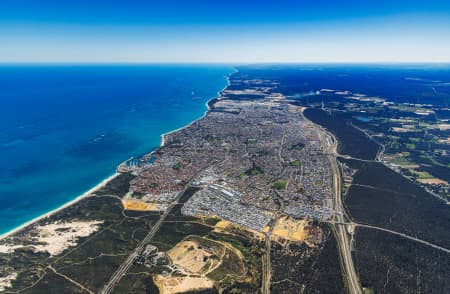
363, 118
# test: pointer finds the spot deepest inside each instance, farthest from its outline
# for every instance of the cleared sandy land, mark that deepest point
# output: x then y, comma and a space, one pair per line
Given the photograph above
445, 141
56, 237
291, 229
401, 130
193, 257
170, 285
133, 204
6, 248
444, 127
432, 181
5, 281
222, 225
82, 196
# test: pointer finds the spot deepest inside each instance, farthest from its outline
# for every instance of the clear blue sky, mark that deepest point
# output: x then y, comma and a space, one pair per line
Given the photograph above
224, 31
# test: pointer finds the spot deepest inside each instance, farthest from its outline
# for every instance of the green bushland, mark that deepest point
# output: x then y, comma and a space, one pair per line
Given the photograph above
279, 185
296, 163
413, 267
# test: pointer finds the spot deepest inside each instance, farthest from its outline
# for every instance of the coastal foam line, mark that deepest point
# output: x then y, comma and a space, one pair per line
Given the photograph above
51, 212
163, 136
110, 178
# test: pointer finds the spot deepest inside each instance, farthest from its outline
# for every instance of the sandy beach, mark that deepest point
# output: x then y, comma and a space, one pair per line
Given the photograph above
82, 196
163, 140
105, 181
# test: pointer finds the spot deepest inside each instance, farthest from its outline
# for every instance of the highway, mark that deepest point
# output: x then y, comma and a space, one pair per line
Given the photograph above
340, 221
266, 266
267, 269
340, 216
125, 266
341, 233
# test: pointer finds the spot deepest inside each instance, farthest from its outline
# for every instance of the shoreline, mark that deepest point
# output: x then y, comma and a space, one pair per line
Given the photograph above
111, 177
65, 205
208, 108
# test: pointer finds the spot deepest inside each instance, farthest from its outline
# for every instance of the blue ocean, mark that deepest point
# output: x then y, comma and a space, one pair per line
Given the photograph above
65, 128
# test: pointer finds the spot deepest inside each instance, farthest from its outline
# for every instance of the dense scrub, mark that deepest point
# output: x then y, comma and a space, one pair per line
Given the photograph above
298, 267
382, 197
391, 264
351, 141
